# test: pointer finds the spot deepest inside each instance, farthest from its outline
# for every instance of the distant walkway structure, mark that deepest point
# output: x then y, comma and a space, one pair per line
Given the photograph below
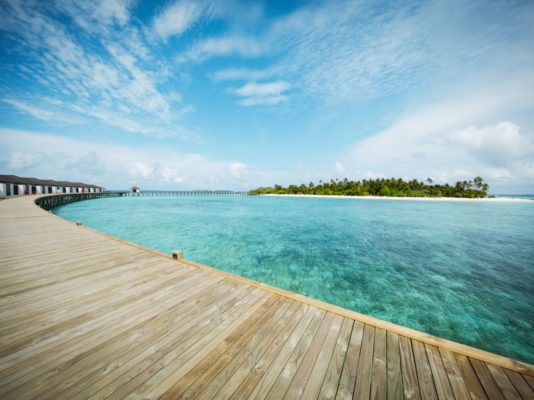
139, 192
51, 201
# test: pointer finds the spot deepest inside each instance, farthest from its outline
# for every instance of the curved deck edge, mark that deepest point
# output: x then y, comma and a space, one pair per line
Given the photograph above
502, 361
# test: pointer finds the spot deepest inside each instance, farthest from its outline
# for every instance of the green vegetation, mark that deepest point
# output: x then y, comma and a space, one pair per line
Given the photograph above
476, 188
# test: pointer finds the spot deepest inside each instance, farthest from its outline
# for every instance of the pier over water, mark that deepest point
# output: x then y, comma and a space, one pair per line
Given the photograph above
49, 202
85, 315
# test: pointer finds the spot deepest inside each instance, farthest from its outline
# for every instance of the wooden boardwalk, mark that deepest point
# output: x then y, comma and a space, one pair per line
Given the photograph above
83, 315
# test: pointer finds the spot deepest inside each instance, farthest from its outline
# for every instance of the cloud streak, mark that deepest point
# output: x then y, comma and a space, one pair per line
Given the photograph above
349, 51
178, 17
221, 46
269, 93
108, 73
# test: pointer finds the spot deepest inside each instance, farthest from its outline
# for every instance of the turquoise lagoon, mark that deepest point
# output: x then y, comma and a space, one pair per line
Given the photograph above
459, 270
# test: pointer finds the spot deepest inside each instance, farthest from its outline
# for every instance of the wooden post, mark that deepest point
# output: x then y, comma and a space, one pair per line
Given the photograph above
177, 255
79, 223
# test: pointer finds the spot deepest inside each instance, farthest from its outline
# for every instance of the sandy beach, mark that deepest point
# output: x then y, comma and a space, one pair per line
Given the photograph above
487, 199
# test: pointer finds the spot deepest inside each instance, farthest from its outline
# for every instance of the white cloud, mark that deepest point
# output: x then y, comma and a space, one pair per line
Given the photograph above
140, 169
238, 169
95, 15
442, 141
115, 79
253, 89
171, 175
496, 145
221, 46
140, 90
90, 163
264, 101
269, 93
178, 17
36, 159
348, 51
48, 114
20, 160
231, 74
340, 169
120, 166
35, 112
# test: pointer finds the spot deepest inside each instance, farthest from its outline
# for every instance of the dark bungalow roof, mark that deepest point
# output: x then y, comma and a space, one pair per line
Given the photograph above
45, 182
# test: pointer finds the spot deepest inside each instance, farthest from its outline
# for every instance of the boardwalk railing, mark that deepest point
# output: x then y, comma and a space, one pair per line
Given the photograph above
49, 202
189, 193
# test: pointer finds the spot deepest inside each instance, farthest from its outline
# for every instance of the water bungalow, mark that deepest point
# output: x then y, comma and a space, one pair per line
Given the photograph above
12, 185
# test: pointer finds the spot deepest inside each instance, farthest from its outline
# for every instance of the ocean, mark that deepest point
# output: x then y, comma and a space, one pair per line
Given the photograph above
459, 270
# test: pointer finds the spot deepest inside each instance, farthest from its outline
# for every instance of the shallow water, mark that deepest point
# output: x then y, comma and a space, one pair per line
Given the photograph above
459, 270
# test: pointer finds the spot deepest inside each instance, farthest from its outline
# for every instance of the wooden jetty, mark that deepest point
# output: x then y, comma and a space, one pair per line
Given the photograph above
189, 193
85, 315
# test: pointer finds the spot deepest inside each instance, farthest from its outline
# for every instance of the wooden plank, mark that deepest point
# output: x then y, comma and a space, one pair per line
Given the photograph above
362, 389
394, 371
441, 380
347, 380
94, 304
470, 377
176, 364
231, 365
486, 379
181, 325
279, 387
76, 367
458, 385
105, 380
424, 372
149, 363
262, 388
242, 383
207, 377
333, 374
25, 355
320, 369
506, 386
304, 369
47, 306
409, 372
379, 376
520, 384
32, 301
34, 357
529, 379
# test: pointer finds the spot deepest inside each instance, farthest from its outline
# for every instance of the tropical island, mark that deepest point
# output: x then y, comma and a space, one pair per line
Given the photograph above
392, 187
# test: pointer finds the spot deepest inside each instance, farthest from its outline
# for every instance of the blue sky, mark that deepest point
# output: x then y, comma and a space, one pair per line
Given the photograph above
239, 94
